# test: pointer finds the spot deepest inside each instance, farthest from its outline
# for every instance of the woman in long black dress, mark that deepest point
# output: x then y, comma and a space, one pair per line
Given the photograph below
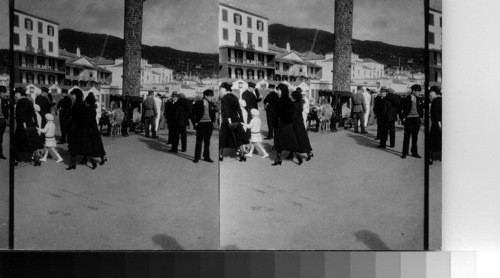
298, 126
79, 130
285, 139
231, 134
95, 140
435, 134
26, 136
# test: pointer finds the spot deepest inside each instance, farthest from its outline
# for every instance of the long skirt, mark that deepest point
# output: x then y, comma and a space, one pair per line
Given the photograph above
232, 139
435, 137
285, 139
96, 146
302, 138
79, 142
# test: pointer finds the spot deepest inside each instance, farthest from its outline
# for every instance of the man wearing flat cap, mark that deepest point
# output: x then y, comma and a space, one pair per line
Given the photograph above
203, 118
149, 114
411, 112
270, 105
169, 115
251, 97
378, 110
182, 109
390, 103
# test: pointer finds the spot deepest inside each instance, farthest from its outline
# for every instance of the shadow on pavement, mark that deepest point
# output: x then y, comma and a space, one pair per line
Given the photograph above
371, 240
166, 242
370, 143
160, 146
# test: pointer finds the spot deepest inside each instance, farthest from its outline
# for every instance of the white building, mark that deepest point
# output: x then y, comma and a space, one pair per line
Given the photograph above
243, 44
36, 50
292, 66
151, 74
435, 46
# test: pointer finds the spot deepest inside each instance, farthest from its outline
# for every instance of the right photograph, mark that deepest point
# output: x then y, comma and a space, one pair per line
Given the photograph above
324, 115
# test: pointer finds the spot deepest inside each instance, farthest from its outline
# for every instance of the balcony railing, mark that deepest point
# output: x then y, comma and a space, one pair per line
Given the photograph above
30, 49
249, 62
238, 43
250, 46
42, 67
41, 51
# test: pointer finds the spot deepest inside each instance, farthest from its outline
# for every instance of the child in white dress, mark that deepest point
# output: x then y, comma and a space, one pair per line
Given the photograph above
50, 139
256, 136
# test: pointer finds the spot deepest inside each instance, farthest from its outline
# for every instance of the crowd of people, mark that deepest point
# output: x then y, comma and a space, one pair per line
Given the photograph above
240, 127
35, 129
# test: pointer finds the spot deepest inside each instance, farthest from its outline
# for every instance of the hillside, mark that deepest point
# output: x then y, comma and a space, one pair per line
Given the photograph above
301, 40
91, 44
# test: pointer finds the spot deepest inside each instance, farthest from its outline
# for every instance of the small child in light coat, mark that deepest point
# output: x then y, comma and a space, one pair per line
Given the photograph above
50, 139
256, 136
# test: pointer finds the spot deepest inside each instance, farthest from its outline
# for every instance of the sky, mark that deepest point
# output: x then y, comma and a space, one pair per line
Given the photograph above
191, 25
398, 22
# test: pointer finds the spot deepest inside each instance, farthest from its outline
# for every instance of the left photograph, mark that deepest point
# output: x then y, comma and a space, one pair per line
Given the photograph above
115, 125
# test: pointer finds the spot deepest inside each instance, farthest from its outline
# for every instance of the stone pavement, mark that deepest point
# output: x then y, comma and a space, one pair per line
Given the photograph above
351, 195
142, 198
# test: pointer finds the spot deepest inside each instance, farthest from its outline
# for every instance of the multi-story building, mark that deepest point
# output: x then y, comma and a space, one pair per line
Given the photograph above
293, 66
151, 74
435, 35
82, 71
243, 45
36, 50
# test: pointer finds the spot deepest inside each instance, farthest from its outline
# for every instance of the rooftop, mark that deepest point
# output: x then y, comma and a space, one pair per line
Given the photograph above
242, 10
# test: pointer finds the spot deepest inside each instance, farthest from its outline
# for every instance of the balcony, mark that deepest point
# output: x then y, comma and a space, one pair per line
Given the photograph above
239, 44
41, 67
250, 46
250, 62
30, 49
41, 51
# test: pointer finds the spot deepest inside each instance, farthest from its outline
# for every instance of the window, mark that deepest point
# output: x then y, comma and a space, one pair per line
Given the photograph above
51, 46
260, 25
249, 38
238, 35
28, 24
249, 22
40, 27
16, 39
16, 20
28, 40
224, 15
431, 19
225, 34
40, 43
260, 41
50, 30
431, 38
29, 77
41, 79
237, 19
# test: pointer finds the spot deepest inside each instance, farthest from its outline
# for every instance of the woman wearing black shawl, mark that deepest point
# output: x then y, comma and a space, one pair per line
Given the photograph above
95, 140
285, 139
79, 124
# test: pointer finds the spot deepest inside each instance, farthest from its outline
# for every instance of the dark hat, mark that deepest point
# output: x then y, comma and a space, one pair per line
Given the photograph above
383, 89
298, 89
226, 86
45, 89
64, 91
175, 93
436, 89
208, 93
251, 85
151, 93
271, 86
20, 90
416, 87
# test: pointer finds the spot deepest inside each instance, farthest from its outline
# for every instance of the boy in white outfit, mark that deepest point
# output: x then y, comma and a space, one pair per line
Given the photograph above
50, 139
256, 136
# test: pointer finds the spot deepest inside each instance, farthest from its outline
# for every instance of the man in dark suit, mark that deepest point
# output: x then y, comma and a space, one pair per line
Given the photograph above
4, 116
411, 112
43, 101
358, 110
270, 105
378, 110
64, 105
390, 103
182, 109
169, 115
251, 98
149, 114
203, 117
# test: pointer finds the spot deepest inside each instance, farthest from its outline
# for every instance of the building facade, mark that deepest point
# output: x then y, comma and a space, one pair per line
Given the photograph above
435, 35
82, 71
36, 50
293, 66
243, 45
